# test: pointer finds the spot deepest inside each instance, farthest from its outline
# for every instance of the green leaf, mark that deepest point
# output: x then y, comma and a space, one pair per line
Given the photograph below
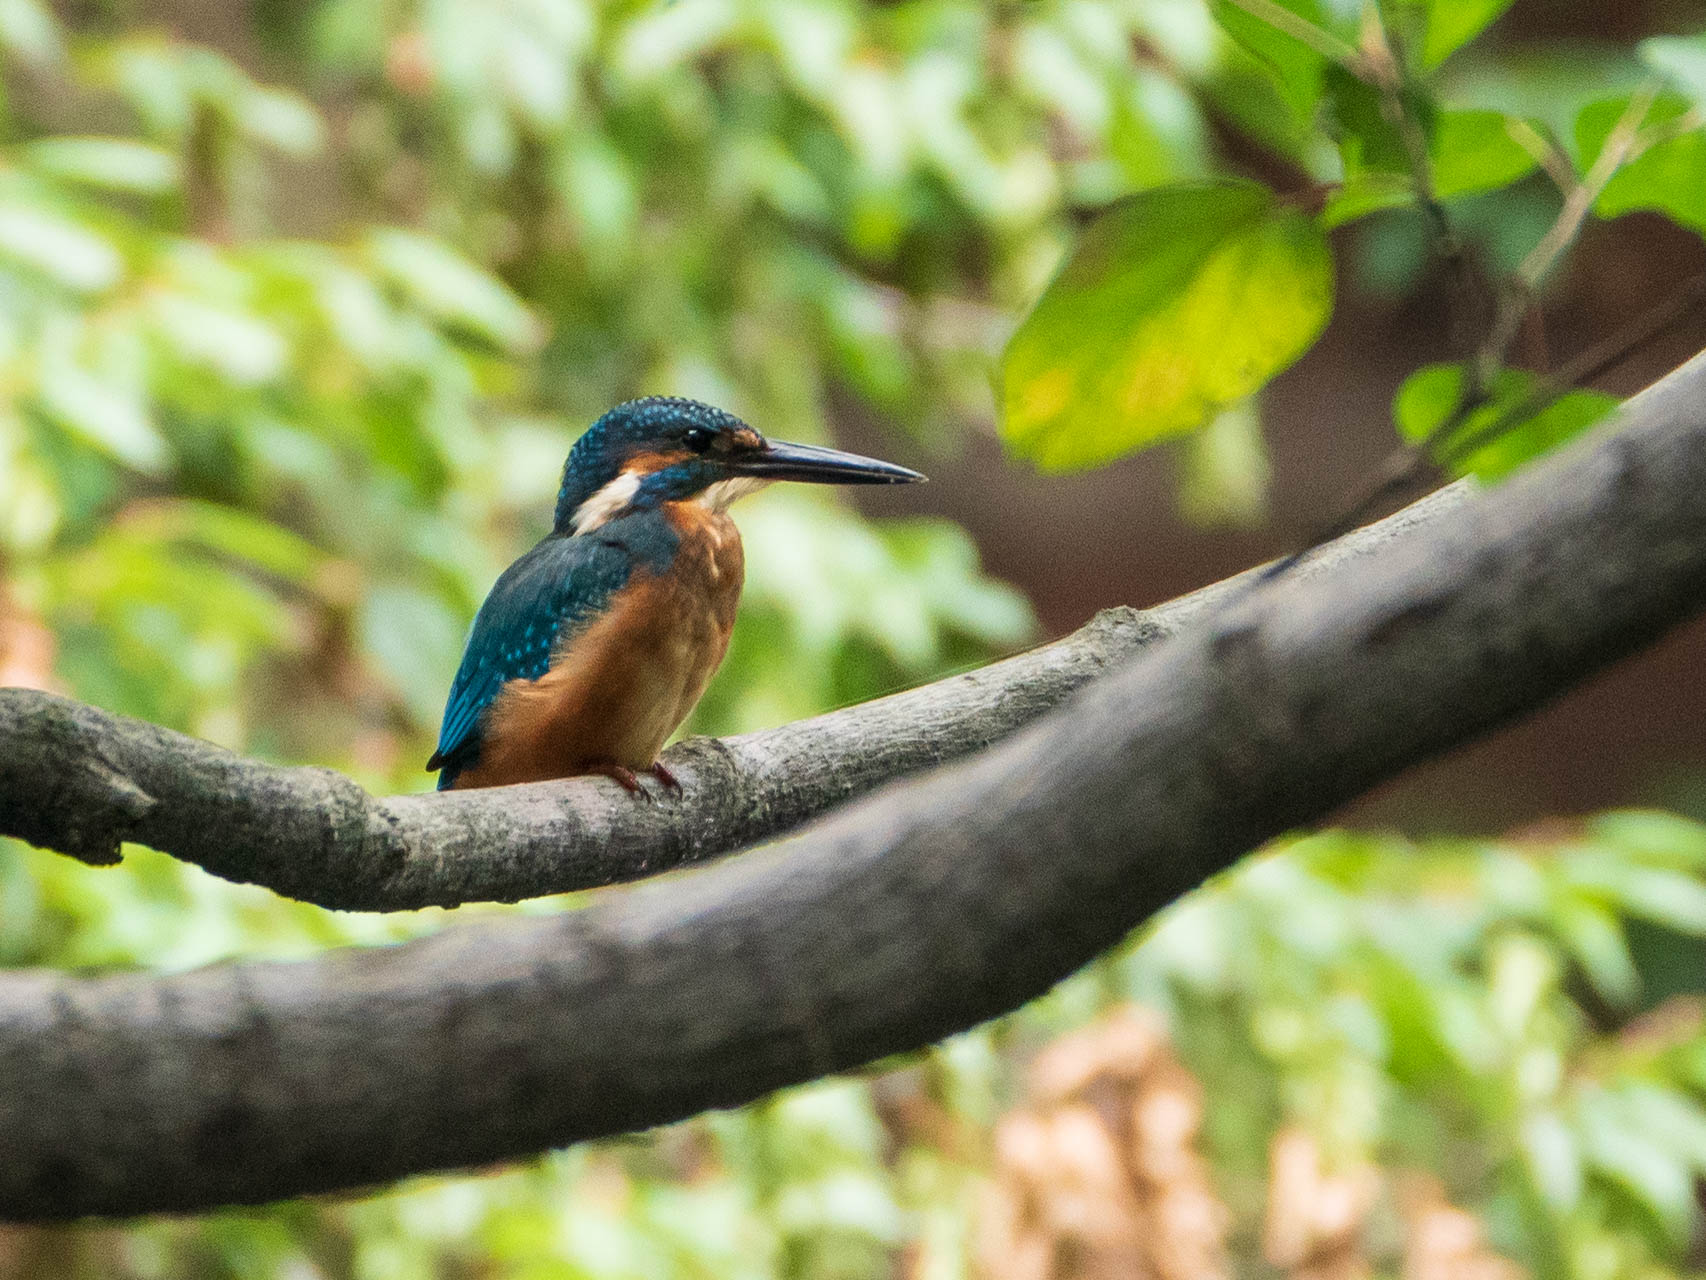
280, 118
1426, 399
114, 164
1175, 303
1554, 1159
1454, 23
411, 638
1364, 193
1662, 895
453, 289
1668, 178
1357, 121
1550, 83
1430, 395
235, 344
1474, 151
1669, 1117
1298, 68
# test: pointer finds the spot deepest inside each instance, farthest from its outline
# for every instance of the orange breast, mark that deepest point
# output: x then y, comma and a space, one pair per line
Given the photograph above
621, 686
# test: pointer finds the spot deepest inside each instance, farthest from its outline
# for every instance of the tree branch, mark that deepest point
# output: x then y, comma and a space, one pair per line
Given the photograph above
81, 780
924, 909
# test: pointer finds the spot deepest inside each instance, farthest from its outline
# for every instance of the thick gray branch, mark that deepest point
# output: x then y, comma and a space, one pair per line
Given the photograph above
81, 780
925, 908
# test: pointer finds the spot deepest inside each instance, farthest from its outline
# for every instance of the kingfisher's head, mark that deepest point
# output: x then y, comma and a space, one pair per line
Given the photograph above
662, 449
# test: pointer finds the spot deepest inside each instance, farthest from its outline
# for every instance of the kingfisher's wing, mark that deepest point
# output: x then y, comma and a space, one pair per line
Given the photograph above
539, 601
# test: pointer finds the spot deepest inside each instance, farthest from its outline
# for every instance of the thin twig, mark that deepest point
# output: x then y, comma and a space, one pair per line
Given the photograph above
1552, 159
1665, 131
1585, 367
1391, 77
1578, 201
1382, 68
1405, 465
1617, 149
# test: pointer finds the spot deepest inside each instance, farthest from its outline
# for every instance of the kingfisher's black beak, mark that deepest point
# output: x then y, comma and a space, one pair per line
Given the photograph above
779, 460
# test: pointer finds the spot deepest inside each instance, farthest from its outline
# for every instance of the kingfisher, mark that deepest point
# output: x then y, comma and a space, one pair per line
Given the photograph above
593, 647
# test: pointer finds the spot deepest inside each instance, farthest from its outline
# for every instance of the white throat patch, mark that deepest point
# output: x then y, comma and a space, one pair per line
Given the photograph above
607, 503
723, 494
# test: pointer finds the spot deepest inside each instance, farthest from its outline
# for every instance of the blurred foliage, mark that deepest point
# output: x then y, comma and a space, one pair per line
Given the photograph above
301, 303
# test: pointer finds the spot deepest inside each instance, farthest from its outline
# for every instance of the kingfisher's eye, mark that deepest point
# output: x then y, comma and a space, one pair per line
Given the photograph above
698, 439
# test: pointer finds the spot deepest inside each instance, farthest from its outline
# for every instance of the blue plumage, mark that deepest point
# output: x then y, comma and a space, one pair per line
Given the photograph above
538, 603
632, 682
602, 448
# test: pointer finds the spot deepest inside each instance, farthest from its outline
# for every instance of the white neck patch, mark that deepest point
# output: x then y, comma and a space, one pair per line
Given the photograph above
724, 493
607, 503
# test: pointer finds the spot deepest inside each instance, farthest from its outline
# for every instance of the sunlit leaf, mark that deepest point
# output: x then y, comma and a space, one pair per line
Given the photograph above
1682, 61
116, 164
282, 119
846, 1201
1663, 895
60, 248
156, 80
1175, 303
29, 31
1659, 1180
237, 345
1521, 973
1554, 1159
1594, 936
413, 640
112, 418
1652, 834
1669, 1116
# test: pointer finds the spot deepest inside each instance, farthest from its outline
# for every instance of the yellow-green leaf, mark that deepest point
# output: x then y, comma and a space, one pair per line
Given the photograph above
1176, 302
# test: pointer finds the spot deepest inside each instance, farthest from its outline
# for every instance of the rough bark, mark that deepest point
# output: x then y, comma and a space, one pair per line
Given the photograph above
923, 909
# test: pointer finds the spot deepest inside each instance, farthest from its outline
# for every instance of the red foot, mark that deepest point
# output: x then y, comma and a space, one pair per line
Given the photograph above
630, 781
626, 777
